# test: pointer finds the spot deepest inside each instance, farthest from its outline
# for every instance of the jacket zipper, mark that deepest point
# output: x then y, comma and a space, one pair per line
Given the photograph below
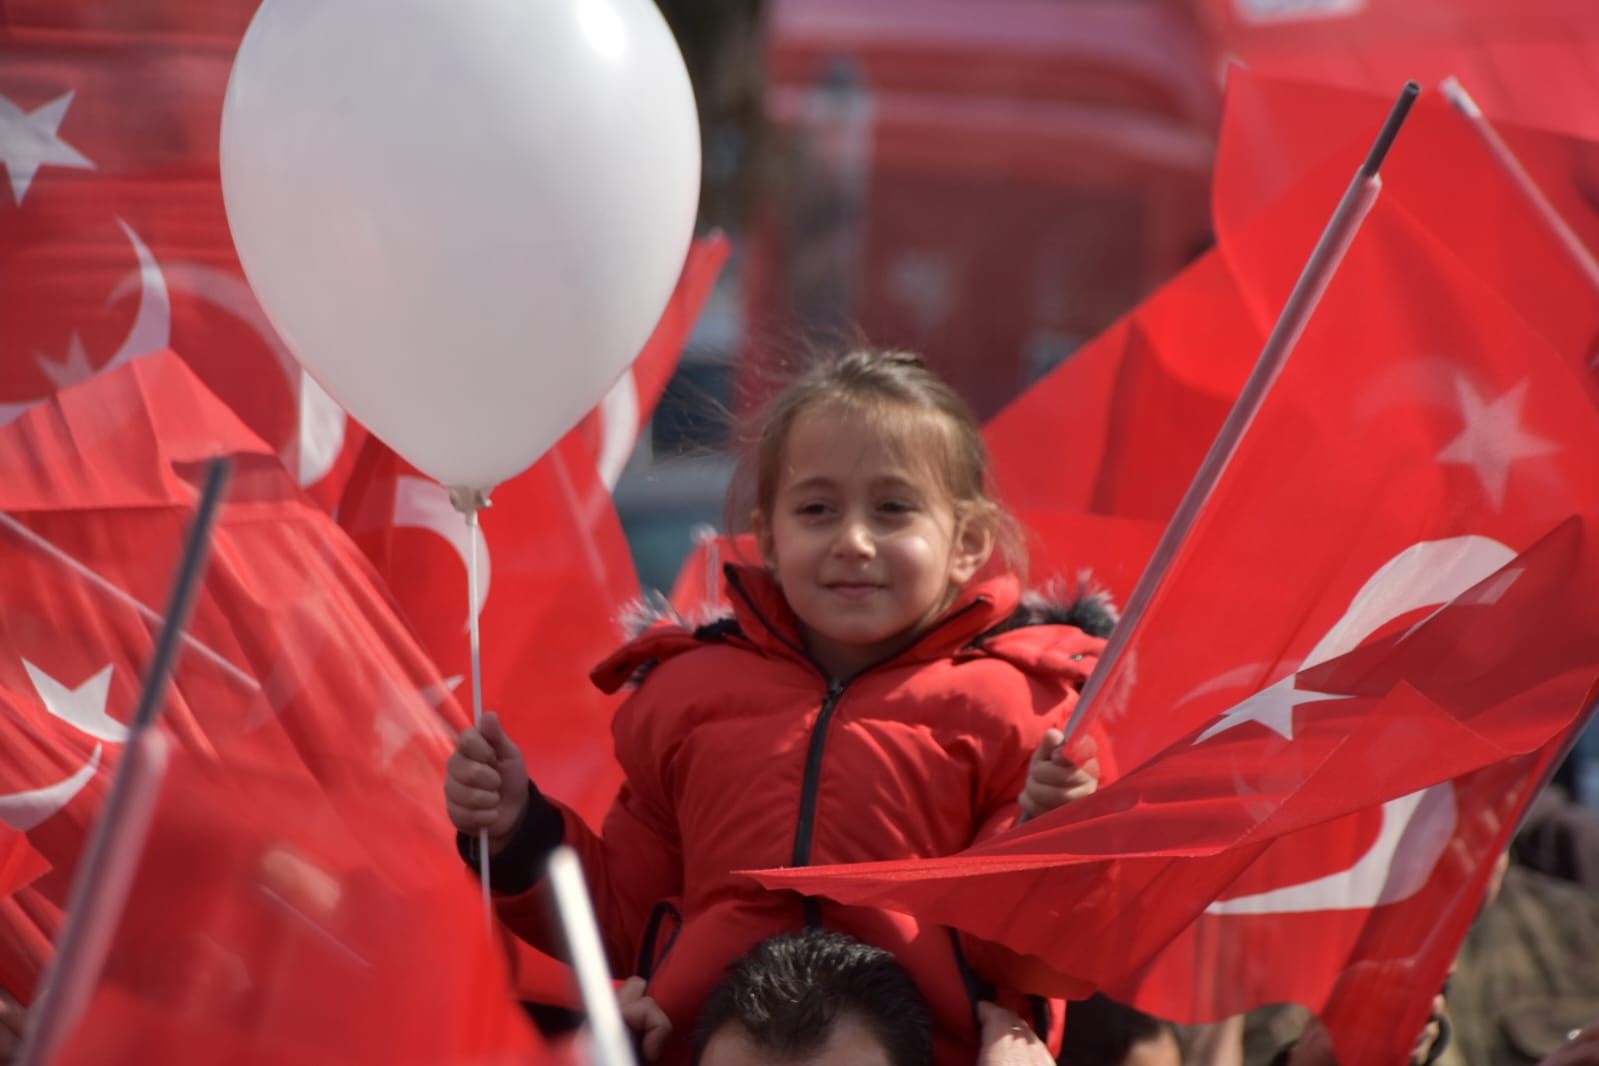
813, 760
818, 743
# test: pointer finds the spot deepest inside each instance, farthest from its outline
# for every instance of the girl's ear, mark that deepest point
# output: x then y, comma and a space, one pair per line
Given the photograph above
763, 539
974, 543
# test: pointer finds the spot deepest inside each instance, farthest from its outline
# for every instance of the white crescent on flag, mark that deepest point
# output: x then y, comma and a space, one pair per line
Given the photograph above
152, 321
322, 422
23, 811
421, 503
1415, 828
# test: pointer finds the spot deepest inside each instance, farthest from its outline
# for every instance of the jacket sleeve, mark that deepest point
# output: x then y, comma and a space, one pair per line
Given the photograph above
633, 863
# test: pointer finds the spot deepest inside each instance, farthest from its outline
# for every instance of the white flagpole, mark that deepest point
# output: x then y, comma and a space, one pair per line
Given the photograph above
1579, 252
1307, 293
469, 502
608, 1034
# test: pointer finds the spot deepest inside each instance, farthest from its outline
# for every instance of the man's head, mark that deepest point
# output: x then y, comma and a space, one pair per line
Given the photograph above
815, 998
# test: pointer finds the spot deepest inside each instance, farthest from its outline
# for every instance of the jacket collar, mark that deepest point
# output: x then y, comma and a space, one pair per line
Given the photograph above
768, 622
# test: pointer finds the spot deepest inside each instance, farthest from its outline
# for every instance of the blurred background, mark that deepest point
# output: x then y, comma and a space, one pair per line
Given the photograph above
988, 183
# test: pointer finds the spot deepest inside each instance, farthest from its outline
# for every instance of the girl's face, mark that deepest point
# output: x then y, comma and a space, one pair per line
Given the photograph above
868, 549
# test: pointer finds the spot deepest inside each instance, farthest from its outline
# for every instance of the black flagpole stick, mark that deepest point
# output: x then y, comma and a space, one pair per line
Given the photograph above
1307, 293
111, 854
1572, 244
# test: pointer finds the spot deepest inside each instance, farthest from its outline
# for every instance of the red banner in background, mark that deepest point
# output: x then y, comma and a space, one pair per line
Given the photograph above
1529, 61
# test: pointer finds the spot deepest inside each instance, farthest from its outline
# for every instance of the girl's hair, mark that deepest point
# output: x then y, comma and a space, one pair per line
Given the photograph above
896, 393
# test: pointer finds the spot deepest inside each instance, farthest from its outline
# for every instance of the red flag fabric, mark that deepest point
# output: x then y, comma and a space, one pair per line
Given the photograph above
1095, 457
19, 863
116, 244
1424, 446
1530, 61
274, 919
293, 643
1285, 137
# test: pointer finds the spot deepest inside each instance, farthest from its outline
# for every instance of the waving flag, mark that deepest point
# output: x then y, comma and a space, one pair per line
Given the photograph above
1291, 138
1338, 702
1095, 457
115, 241
276, 919
293, 646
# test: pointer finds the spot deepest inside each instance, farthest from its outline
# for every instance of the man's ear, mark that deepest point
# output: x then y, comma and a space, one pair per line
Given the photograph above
974, 543
763, 539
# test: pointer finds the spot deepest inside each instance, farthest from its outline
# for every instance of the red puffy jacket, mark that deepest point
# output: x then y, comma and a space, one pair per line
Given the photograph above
740, 754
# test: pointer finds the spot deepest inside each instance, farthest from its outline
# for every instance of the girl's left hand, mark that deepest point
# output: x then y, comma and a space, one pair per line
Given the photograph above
644, 1017
1053, 780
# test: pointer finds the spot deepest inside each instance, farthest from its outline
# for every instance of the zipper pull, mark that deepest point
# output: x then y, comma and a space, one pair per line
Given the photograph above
835, 689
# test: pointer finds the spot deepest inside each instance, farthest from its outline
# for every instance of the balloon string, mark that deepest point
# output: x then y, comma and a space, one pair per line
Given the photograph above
473, 536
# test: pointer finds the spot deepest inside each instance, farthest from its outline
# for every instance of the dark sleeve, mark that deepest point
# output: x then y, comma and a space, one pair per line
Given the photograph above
520, 864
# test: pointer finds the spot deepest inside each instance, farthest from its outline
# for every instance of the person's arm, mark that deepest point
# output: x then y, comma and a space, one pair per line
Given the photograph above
633, 864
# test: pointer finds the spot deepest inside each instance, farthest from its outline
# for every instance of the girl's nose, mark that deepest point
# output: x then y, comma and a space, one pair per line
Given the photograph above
854, 540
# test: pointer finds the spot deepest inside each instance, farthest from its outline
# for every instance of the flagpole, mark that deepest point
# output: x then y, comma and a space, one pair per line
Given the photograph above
111, 854
1579, 252
1307, 293
469, 502
608, 1035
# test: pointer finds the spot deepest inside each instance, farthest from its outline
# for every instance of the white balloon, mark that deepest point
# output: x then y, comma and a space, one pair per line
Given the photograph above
464, 216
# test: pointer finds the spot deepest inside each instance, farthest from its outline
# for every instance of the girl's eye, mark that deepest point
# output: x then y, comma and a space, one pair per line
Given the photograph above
811, 510
896, 506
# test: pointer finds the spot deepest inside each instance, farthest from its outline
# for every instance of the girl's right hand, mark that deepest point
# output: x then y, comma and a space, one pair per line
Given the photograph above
1053, 779
485, 783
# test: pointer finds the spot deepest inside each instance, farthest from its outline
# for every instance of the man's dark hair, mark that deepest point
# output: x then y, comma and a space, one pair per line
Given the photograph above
789, 992
1101, 1031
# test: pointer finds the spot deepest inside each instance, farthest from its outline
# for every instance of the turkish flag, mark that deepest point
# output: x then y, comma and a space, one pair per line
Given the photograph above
273, 918
1529, 61
1094, 458
1390, 556
115, 239
294, 646
1289, 138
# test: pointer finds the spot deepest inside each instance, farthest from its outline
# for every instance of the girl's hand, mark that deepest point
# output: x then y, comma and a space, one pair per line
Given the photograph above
1007, 1041
485, 783
644, 1017
1053, 780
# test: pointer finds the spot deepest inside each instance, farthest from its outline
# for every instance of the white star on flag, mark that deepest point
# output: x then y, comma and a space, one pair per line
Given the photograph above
71, 368
1493, 438
1273, 707
83, 707
28, 141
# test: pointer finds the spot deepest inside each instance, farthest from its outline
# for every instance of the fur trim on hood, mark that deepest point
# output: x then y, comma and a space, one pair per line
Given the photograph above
1085, 604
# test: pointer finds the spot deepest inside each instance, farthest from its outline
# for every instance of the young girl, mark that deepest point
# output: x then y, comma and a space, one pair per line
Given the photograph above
878, 692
